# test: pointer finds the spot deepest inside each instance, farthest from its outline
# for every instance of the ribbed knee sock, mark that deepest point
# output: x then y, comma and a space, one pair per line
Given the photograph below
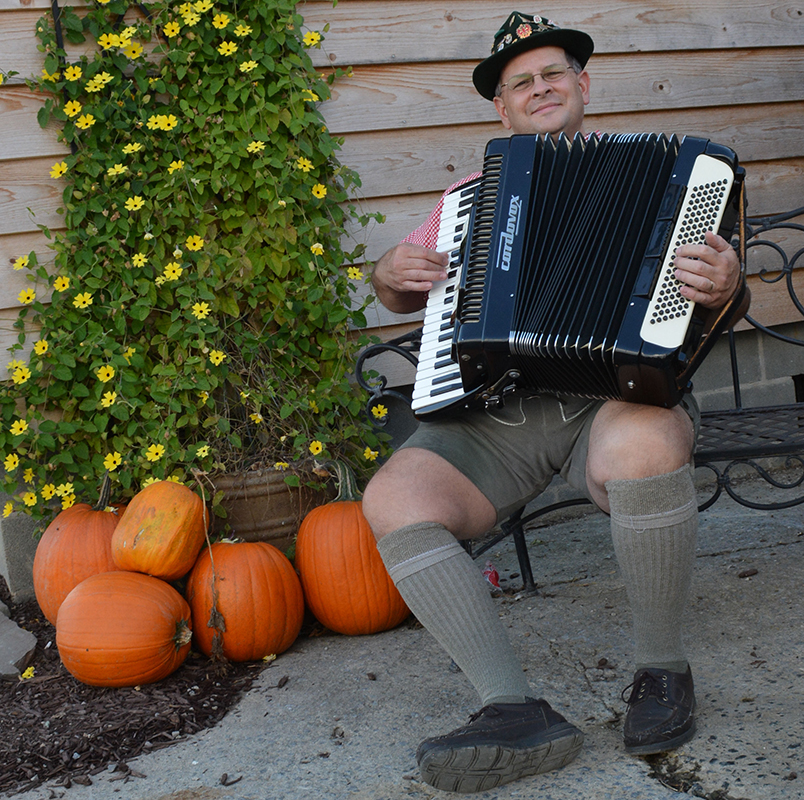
446, 591
654, 525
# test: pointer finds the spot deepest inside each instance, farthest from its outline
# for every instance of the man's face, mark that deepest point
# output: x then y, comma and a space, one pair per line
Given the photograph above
545, 107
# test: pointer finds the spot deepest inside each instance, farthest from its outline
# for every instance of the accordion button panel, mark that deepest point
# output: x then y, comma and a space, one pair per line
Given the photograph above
668, 315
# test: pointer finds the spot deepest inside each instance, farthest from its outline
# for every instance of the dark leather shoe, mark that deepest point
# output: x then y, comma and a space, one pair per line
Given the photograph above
501, 743
660, 711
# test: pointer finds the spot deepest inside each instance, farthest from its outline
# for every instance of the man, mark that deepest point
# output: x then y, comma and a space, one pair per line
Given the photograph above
455, 479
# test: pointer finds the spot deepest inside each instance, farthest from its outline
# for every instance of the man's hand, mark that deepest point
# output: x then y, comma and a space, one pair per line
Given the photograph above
404, 275
710, 271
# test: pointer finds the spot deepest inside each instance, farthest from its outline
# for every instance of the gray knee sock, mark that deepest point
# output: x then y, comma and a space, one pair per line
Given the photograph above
654, 525
446, 591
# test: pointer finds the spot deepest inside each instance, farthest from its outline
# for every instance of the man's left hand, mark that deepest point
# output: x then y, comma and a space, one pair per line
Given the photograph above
709, 271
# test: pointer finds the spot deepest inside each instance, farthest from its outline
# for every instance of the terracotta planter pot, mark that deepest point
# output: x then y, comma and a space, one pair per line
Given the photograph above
261, 507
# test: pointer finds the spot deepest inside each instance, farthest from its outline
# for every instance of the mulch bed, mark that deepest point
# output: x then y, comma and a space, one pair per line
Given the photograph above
54, 728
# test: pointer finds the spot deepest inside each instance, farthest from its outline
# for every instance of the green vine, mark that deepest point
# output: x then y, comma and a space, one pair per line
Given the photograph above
198, 316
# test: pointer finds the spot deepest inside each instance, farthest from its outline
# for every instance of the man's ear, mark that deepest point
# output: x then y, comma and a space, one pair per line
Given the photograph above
583, 82
503, 112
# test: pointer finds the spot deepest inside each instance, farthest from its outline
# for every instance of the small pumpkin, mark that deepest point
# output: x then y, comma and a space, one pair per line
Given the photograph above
123, 629
345, 582
161, 531
76, 544
246, 601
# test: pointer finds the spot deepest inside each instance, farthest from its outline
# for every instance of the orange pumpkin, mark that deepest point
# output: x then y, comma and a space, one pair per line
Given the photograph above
161, 531
345, 582
123, 629
77, 544
246, 600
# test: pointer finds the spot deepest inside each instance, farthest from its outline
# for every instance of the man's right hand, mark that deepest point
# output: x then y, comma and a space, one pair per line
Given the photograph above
404, 275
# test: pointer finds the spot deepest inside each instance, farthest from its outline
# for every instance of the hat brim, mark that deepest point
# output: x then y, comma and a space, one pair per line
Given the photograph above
487, 73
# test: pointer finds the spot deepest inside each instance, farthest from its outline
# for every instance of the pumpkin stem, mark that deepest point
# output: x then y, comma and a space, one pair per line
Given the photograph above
105, 493
183, 634
347, 483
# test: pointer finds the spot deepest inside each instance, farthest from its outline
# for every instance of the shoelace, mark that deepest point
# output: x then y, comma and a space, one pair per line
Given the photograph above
646, 685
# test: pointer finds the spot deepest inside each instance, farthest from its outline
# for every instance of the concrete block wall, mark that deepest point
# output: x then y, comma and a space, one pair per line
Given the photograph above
18, 542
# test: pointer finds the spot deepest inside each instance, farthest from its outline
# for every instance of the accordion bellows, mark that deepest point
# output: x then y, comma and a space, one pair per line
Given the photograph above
564, 277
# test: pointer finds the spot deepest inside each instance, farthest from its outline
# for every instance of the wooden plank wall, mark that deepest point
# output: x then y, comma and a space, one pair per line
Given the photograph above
412, 123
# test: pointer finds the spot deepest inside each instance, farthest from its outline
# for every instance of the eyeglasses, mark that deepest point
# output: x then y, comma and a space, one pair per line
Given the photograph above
522, 83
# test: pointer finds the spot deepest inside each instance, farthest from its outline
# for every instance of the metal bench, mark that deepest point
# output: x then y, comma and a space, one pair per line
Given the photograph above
728, 438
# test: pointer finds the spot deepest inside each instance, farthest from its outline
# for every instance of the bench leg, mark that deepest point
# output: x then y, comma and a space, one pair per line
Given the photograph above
513, 526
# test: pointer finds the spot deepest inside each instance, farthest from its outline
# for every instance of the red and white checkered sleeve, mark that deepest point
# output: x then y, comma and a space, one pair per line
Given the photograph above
426, 234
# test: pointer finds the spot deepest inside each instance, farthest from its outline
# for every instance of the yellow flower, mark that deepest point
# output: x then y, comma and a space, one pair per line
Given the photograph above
203, 451
126, 34
109, 40
174, 165
220, 21
256, 418
200, 310
11, 462
112, 461
58, 169
139, 259
247, 66
217, 357
203, 397
29, 498
129, 352
148, 235
20, 375
149, 481
108, 399
28, 475
242, 30
379, 411
355, 273
83, 300
134, 147
50, 77
72, 108
311, 38
191, 19
73, 73
317, 249
21, 262
117, 169
15, 364
370, 454
19, 427
256, 147
105, 373
61, 284
168, 122
172, 29
194, 242
40, 348
305, 165
26, 297
7, 509
133, 50
85, 121
311, 96
68, 501
64, 489
134, 203
29, 673
202, 5
316, 447
283, 465
48, 490
319, 190
227, 48
172, 271
155, 452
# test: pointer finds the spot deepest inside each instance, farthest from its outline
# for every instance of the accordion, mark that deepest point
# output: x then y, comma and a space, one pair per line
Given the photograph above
561, 276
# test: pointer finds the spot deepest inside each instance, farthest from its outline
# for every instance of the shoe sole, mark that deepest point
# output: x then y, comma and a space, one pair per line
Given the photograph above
661, 747
478, 768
